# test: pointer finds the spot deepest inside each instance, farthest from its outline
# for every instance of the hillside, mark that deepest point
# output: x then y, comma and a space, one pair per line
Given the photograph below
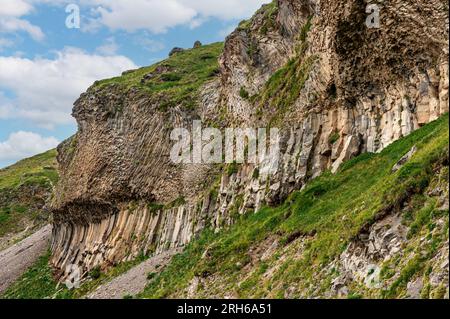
25, 189
318, 243
352, 203
309, 68
366, 232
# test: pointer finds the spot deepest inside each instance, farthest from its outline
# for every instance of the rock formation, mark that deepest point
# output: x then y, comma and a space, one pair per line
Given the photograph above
335, 87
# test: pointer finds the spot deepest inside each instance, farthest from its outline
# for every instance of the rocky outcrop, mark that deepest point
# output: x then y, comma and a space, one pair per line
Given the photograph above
333, 86
388, 244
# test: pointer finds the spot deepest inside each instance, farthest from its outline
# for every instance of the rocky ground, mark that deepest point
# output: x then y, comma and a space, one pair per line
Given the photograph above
15, 260
135, 280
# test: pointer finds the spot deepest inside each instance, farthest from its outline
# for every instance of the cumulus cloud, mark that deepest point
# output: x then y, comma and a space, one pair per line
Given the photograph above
225, 10
24, 144
8, 25
15, 8
11, 13
155, 16
158, 16
45, 89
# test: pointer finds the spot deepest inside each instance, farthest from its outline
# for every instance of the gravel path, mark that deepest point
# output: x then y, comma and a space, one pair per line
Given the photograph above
135, 280
15, 260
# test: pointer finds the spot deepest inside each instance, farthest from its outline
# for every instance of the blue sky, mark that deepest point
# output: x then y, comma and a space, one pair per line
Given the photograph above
45, 66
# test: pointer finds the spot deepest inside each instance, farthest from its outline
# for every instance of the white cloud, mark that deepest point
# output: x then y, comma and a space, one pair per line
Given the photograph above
45, 89
158, 16
225, 10
154, 15
11, 13
15, 8
24, 144
8, 25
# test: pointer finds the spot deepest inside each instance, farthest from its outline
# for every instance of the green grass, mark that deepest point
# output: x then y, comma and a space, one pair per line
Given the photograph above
40, 168
333, 207
285, 85
269, 12
18, 207
334, 138
38, 282
184, 73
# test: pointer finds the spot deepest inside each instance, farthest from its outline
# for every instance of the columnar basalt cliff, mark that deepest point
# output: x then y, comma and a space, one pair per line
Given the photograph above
334, 87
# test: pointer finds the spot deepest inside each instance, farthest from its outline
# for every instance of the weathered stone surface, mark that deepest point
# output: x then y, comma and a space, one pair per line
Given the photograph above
404, 159
370, 88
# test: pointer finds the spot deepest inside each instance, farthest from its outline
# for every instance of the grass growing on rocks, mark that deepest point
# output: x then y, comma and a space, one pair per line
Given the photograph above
175, 80
329, 213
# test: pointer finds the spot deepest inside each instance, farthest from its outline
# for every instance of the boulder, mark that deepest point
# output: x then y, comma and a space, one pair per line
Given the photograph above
175, 50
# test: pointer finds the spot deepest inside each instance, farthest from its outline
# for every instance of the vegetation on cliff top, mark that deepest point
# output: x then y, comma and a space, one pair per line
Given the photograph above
327, 215
176, 80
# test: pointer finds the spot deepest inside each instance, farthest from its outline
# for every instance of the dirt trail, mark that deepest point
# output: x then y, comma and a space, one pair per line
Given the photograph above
15, 260
135, 280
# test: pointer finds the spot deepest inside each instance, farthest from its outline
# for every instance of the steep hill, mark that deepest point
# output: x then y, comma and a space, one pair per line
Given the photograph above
25, 190
335, 219
366, 232
335, 87
378, 228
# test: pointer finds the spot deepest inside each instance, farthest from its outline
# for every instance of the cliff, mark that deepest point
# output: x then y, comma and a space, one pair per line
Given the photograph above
334, 87
378, 228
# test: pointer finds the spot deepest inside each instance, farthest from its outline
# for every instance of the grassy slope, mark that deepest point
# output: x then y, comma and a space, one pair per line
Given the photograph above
334, 208
38, 282
27, 169
184, 73
178, 84
37, 173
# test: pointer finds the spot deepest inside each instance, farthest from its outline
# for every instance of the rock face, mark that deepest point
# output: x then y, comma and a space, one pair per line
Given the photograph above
333, 86
386, 245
